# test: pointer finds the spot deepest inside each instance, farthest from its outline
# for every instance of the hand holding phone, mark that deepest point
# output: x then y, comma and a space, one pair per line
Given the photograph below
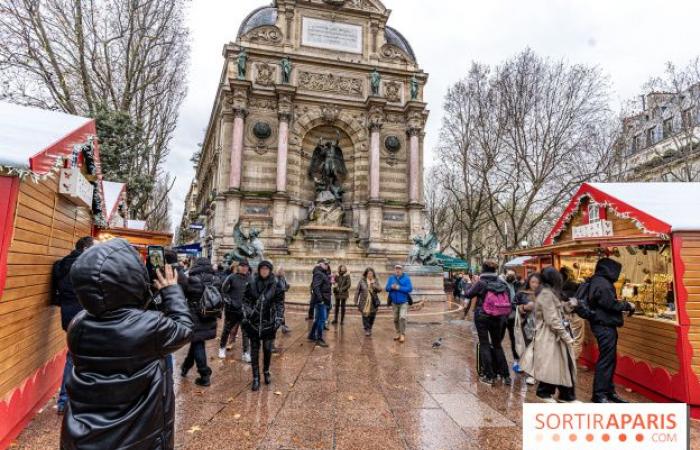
165, 278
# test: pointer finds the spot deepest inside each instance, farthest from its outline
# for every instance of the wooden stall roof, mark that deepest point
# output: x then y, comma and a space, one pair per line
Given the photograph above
580, 245
657, 208
137, 237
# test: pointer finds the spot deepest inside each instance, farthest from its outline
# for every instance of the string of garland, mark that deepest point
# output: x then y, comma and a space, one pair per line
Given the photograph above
606, 204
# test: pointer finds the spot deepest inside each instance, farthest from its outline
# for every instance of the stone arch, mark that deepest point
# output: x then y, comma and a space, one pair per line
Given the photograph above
352, 126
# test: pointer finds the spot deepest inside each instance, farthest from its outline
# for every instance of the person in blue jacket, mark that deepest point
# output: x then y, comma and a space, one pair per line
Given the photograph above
399, 288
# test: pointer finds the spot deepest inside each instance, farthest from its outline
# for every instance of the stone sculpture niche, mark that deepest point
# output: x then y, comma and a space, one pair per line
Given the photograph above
328, 172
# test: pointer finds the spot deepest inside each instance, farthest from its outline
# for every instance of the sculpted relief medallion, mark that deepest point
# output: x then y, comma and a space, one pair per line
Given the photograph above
266, 74
330, 83
394, 54
392, 92
265, 34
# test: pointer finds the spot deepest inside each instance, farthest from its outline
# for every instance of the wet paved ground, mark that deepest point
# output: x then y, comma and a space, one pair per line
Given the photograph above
361, 393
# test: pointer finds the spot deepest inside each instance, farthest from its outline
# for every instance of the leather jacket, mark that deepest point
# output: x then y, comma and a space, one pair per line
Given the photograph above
120, 391
263, 307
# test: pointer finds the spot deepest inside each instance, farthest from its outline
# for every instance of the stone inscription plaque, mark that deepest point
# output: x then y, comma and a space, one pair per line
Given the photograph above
339, 36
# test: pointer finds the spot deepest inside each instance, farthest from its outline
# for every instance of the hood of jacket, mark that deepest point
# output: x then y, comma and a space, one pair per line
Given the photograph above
494, 283
110, 276
319, 269
608, 269
267, 264
200, 266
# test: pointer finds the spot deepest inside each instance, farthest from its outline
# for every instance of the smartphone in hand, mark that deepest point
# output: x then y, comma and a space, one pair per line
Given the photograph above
155, 260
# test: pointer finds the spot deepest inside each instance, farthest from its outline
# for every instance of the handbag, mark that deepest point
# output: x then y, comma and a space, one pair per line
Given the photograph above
410, 300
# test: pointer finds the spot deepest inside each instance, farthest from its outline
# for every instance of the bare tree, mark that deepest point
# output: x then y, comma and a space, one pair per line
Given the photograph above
462, 175
516, 141
83, 57
550, 133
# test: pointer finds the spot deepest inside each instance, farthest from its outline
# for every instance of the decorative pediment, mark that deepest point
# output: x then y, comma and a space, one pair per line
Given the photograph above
394, 54
267, 34
364, 5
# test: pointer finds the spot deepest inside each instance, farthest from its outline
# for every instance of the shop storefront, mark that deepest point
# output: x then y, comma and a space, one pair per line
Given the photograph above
653, 230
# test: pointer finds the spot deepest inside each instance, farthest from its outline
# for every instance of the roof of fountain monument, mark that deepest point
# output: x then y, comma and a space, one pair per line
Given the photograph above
267, 15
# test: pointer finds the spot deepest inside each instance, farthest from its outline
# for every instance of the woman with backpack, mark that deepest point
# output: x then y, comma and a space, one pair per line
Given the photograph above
367, 299
263, 315
201, 275
550, 357
490, 298
525, 319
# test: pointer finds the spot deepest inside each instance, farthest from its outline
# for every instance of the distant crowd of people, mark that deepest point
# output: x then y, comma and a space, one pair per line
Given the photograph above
545, 317
125, 321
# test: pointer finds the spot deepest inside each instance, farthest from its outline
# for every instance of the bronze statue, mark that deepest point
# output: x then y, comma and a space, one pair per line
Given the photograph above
242, 61
248, 246
328, 171
286, 65
414, 88
327, 168
424, 250
375, 81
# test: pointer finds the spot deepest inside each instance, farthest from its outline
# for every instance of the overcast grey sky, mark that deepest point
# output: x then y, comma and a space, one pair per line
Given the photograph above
629, 39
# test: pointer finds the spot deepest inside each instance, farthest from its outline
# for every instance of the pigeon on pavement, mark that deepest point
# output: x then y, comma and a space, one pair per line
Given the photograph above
437, 343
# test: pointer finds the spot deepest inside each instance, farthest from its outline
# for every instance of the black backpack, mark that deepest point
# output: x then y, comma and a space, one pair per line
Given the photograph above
212, 302
583, 309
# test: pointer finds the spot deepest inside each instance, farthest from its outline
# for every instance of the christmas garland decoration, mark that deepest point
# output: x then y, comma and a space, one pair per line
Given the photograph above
627, 215
87, 150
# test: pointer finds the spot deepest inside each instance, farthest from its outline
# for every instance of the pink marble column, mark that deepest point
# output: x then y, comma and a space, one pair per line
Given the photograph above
414, 166
237, 149
282, 150
374, 163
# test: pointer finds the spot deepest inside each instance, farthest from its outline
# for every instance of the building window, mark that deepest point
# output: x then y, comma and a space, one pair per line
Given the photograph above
650, 136
637, 143
687, 118
668, 127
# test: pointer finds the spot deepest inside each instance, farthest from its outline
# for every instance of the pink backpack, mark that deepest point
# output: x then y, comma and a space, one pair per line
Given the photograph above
497, 303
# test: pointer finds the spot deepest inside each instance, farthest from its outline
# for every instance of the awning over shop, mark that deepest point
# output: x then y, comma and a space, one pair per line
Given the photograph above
517, 262
452, 264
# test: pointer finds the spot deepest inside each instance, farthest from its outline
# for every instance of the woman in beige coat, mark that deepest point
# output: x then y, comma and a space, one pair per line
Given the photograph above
367, 299
549, 357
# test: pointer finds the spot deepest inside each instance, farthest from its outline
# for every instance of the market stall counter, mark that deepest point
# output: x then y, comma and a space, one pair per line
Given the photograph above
653, 230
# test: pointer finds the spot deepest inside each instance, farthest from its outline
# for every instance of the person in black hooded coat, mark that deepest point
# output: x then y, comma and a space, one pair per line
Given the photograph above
121, 390
64, 297
608, 318
201, 274
263, 314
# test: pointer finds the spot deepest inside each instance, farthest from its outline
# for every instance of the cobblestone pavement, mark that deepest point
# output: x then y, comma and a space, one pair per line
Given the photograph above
361, 393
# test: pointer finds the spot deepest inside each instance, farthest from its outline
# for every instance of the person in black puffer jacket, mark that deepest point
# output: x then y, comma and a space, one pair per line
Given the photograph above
263, 314
233, 289
121, 391
201, 274
608, 318
64, 297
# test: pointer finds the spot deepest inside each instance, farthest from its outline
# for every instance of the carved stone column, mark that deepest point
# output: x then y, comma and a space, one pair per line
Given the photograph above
415, 121
285, 98
282, 150
414, 165
375, 108
237, 148
374, 161
240, 92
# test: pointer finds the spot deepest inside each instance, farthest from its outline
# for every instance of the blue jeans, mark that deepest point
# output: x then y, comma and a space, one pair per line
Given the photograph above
67, 369
320, 317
